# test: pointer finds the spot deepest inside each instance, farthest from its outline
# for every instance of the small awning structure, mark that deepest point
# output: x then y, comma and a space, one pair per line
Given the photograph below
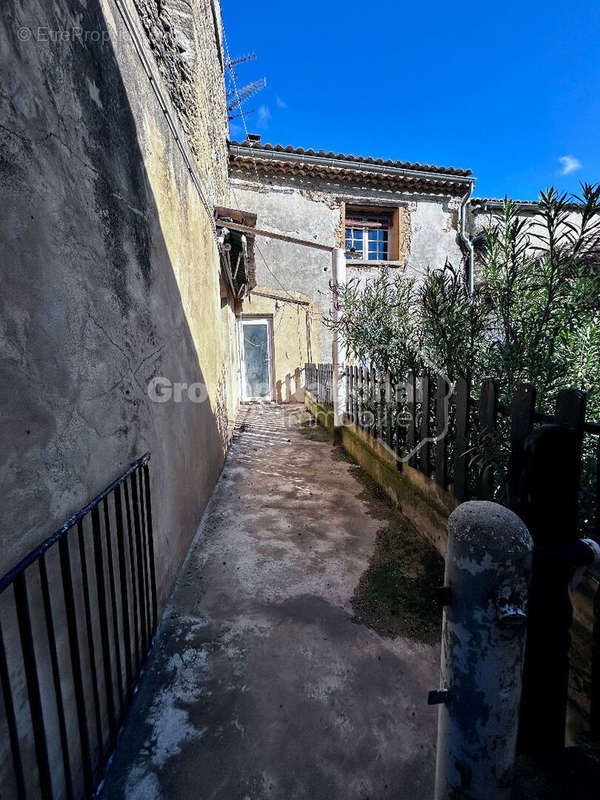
236, 250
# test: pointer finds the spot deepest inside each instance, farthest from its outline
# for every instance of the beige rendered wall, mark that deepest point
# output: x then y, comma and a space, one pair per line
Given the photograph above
295, 324
110, 278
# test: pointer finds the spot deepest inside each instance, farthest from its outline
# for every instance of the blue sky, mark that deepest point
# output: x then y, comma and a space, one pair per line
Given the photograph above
506, 89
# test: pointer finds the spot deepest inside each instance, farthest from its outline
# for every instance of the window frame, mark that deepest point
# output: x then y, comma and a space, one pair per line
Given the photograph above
366, 220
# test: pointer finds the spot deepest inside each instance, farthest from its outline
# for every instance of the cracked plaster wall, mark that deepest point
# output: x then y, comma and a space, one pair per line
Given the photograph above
313, 210
110, 277
110, 273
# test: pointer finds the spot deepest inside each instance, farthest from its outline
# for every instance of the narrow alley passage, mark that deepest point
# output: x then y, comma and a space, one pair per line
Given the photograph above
262, 683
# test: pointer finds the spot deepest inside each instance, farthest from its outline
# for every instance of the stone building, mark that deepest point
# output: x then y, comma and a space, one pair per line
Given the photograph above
114, 160
406, 217
119, 332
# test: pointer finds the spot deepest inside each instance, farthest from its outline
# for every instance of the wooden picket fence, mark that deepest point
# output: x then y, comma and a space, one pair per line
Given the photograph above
470, 443
444, 430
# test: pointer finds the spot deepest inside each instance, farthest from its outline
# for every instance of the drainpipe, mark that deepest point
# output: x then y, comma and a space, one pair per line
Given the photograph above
338, 349
465, 238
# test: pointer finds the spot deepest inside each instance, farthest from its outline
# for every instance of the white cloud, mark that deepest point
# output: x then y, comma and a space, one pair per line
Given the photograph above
281, 103
264, 115
569, 164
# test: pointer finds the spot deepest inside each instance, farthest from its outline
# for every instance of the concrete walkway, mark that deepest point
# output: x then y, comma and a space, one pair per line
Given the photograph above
262, 685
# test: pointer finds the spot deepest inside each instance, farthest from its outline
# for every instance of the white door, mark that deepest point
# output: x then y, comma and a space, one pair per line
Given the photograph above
256, 359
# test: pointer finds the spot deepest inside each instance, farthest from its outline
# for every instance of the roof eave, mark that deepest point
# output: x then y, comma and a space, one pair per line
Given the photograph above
266, 156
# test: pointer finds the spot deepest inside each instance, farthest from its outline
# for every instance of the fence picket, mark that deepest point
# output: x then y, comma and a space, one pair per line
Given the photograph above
425, 451
380, 408
461, 443
488, 421
389, 429
348, 379
522, 410
441, 425
411, 405
549, 509
570, 410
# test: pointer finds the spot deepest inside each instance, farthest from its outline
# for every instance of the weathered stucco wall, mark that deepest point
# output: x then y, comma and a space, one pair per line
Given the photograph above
110, 275
295, 324
282, 266
314, 210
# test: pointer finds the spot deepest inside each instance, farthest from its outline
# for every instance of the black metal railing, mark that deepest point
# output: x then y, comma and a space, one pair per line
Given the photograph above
78, 625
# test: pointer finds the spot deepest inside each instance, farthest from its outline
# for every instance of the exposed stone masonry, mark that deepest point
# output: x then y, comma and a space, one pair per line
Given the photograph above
181, 34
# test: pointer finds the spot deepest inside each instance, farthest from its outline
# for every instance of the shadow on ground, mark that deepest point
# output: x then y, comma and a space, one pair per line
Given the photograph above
396, 595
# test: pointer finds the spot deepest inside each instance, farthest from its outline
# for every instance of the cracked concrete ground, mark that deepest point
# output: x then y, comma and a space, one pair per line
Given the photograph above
262, 686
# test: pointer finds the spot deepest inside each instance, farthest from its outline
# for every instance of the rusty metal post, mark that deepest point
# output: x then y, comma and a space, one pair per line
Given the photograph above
488, 568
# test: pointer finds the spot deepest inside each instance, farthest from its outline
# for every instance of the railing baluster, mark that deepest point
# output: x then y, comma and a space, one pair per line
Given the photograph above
33, 684
113, 601
100, 610
11, 721
146, 474
124, 592
140, 565
90, 634
130, 534
462, 440
103, 618
144, 530
67, 581
60, 708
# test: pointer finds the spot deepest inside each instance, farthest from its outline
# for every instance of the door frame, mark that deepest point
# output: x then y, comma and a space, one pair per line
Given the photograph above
267, 319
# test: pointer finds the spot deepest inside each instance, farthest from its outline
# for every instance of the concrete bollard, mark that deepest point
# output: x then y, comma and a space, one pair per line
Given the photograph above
488, 569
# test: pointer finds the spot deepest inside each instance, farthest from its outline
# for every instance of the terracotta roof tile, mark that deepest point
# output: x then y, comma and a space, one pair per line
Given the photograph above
351, 157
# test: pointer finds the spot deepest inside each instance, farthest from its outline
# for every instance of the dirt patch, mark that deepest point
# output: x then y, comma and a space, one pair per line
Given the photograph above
311, 429
396, 595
